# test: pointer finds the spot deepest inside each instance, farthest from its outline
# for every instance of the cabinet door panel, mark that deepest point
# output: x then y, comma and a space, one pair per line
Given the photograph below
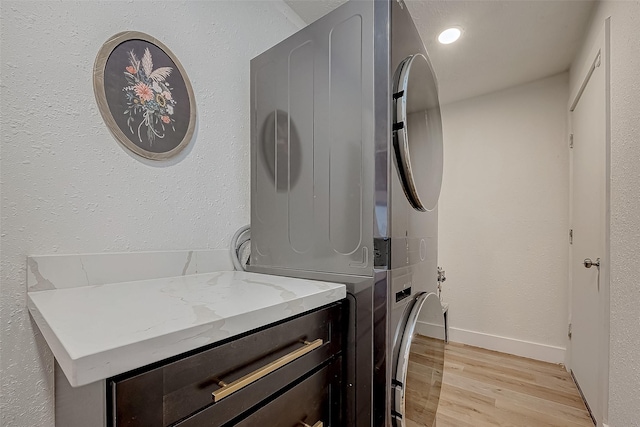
183, 387
316, 399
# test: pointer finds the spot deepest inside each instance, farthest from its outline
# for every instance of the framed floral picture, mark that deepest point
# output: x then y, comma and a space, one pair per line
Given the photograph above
144, 95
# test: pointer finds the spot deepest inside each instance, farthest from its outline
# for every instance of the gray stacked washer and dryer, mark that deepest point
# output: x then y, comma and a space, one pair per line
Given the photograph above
346, 169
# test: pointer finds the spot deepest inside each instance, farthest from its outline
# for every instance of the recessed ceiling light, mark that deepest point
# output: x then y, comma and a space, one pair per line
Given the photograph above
449, 35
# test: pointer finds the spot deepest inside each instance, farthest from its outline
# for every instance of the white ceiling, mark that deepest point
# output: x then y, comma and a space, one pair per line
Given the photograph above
504, 43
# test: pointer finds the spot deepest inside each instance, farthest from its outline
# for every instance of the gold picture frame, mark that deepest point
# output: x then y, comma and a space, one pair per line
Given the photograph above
144, 95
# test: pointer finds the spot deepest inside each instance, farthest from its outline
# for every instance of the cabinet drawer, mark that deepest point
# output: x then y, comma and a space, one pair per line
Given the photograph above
170, 393
315, 399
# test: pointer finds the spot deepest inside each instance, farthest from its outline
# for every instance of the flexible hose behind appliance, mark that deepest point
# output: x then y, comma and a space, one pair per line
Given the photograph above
239, 242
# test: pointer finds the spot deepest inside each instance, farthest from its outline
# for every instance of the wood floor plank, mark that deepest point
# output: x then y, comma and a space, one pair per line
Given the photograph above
504, 398
482, 388
503, 359
561, 381
550, 375
444, 420
506, 380
478, 402
538, 416
490, 368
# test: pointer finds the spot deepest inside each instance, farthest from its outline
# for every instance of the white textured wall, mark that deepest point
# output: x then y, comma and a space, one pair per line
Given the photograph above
68, 187
624, 353
504, 214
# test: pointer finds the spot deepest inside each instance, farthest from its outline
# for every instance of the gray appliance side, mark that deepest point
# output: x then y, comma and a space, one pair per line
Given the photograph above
382, 90
413, 234
313, 117
382, 349
397, 290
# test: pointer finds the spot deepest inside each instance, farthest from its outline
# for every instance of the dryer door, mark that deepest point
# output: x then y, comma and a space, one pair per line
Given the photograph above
418, 376
417, 132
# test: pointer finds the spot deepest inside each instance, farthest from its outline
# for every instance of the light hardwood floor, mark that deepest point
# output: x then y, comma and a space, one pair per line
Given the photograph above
486, 388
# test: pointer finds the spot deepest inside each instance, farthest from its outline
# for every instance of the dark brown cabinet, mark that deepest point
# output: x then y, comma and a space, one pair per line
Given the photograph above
286, 374
309, 402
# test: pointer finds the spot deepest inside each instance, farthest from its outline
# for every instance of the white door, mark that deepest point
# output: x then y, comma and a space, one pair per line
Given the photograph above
588, 222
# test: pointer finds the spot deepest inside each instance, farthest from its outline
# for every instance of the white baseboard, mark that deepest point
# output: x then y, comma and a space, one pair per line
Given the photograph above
531, 350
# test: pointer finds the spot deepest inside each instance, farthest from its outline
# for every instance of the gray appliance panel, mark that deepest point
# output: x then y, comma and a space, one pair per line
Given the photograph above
405, 305
414, 234
312, 112
415, 397
325, 181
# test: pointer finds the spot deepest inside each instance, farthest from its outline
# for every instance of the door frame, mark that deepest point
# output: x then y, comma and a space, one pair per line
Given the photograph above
605, 271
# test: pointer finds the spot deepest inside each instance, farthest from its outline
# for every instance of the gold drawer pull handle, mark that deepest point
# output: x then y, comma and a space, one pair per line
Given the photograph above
318, 424
240, 383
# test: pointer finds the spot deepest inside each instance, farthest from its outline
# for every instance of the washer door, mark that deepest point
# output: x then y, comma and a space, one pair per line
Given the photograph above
418, 376
417, 132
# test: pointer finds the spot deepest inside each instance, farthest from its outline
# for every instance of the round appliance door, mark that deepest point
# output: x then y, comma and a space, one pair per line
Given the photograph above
418, 376
417, 132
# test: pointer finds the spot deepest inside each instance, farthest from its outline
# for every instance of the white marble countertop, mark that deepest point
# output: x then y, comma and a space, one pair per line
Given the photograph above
96, 332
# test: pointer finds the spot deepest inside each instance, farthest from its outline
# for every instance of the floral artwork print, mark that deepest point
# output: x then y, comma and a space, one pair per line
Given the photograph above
148, 97
144, 95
